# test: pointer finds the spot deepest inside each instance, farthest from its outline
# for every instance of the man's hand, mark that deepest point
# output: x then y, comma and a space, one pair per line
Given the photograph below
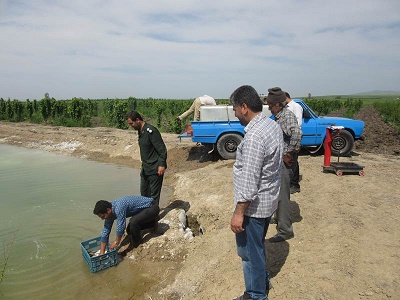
113, 245
102, 248
116, 242
161, 170
236, 223
238, 217
288, 159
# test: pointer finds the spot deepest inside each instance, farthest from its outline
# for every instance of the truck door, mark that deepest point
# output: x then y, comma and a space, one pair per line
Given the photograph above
309, 129
309, 126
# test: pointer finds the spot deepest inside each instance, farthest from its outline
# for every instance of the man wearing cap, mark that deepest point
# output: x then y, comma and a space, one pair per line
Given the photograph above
286, 119
256, 181
298, 112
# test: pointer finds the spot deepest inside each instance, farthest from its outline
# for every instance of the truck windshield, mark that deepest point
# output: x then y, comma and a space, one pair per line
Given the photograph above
307, 111
312, 112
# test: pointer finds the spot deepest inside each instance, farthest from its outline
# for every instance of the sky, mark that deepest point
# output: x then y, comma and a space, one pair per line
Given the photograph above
183, 49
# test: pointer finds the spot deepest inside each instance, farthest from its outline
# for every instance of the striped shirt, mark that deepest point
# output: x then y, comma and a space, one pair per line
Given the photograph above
123, 208
291, 130
256, 175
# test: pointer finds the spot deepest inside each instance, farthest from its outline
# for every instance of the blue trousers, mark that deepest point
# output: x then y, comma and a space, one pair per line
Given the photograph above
251, 249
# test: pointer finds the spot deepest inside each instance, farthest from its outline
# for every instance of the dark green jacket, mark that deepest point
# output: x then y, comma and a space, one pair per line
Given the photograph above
153, 152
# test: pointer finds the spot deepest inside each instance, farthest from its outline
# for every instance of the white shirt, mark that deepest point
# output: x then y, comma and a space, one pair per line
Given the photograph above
207, 100
297, 110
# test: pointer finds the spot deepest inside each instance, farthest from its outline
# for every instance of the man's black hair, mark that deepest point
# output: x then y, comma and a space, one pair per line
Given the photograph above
133, 115
287, 95
246, 94
101, 207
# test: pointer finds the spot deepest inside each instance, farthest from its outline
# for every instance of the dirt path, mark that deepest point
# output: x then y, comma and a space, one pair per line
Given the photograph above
346, 243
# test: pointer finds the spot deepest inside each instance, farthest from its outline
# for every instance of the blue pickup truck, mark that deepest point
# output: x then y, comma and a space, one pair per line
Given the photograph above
220, 128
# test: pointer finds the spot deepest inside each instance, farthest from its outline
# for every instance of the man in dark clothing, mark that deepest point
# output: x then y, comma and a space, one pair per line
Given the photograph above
153, 154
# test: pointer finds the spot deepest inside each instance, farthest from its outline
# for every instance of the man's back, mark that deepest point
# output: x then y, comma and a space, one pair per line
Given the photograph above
207, 100
297, 110
291, 130
123, 208
128, 206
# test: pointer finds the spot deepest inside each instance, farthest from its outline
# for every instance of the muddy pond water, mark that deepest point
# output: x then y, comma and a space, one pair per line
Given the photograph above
46, 204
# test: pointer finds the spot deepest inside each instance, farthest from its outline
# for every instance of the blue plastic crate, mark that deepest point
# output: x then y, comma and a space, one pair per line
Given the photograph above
101, 262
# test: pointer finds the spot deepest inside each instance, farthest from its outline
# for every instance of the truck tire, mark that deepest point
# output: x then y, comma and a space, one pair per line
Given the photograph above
227, 145
342, 143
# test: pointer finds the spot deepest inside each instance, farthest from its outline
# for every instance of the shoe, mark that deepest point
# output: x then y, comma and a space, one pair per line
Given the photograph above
277, 238
136, 244
125, 249
178, 120
294, 189
273, 220
245, 296
155, 226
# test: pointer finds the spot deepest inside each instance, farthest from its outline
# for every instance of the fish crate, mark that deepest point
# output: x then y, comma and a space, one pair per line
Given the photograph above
100, 262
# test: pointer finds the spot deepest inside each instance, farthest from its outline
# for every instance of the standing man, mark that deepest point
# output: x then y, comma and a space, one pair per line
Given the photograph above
256, 179
195, 107
276, 101
153, 154
298, 112
142, 210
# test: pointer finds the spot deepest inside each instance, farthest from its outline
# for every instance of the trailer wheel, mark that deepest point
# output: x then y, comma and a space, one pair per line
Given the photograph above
227, 145
342, 143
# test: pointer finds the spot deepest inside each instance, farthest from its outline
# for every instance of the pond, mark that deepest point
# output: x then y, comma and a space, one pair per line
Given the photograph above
46, 211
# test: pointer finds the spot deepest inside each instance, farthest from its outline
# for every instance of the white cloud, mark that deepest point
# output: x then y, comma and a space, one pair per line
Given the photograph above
182, 49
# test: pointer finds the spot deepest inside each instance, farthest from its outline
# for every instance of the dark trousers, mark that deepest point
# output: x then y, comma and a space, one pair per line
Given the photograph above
150, 186
296, 173
145, 219
284, 226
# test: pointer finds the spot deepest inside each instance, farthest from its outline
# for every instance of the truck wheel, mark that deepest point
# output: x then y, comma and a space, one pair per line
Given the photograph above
227, 145
342, 143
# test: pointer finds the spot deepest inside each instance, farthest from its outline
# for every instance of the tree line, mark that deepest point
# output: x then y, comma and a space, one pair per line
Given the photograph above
79, 112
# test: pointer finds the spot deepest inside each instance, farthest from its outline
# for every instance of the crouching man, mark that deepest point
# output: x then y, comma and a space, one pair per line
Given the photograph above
143, 213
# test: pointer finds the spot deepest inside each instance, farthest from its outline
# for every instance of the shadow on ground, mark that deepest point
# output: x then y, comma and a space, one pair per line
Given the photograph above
277, 254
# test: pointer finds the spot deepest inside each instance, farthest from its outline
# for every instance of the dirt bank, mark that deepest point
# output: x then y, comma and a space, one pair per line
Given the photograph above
346, 228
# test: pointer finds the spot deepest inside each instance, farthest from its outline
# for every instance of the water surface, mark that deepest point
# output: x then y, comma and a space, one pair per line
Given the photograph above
46, 211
